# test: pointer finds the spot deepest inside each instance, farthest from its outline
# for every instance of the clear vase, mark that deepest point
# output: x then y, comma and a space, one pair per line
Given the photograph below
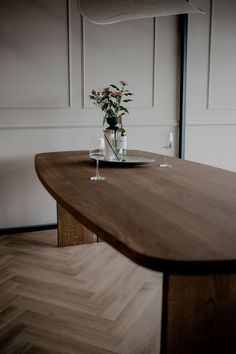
110, 144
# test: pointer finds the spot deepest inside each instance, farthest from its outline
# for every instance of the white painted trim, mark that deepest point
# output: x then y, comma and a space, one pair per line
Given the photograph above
81, 124
210, 122
83, 106
69, 31
209, 54
154, 82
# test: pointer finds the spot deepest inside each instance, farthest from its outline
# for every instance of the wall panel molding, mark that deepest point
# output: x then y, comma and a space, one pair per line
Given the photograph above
200, 106
54, 115
30, 59
156, 101
209, 53
211, 122
92, 65
83, 124
222, 54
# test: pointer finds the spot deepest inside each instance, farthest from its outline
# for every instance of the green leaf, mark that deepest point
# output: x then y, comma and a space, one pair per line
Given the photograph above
123, 109
113, 104
110, 112
104, 107
114, 86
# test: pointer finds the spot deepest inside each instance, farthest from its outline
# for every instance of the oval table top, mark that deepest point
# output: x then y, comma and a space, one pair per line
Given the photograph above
179, 220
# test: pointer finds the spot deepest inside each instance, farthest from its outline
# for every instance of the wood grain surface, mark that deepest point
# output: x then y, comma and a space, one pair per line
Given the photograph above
199, 314
178, 220
70, 232
87, 299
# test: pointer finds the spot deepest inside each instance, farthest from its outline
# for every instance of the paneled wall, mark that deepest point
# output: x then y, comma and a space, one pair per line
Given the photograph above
50, 60
211, 91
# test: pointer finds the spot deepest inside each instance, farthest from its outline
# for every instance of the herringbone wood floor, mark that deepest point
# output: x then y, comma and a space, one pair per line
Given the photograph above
81, 299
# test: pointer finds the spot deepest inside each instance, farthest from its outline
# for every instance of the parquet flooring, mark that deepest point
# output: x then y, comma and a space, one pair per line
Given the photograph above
80, 299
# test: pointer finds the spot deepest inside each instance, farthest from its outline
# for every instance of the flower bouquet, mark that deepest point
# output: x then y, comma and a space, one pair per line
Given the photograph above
112, 100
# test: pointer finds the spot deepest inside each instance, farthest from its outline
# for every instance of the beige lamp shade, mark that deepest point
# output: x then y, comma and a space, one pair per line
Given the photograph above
111, 11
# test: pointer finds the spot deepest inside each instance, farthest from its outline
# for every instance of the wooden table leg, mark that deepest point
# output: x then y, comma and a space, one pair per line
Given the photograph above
199, 314
70, 231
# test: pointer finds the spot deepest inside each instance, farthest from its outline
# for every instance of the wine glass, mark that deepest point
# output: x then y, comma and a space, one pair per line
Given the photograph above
96, 152
165, 148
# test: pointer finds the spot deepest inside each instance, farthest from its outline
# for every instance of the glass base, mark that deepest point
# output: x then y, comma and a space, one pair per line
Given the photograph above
97, 178
165, 165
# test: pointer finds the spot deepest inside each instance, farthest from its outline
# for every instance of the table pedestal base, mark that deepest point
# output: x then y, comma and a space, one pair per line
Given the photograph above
199, 314
70, 231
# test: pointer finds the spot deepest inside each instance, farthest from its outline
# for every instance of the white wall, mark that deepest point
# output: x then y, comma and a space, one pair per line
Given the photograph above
49, 62
211, 91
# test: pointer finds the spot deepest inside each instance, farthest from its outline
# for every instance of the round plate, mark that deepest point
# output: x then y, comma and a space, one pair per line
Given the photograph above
128, 160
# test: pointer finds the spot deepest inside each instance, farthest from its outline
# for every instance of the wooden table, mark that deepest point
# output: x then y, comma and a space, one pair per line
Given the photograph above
180, 221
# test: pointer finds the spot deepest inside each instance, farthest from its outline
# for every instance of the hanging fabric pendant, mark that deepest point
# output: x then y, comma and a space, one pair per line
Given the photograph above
111, 11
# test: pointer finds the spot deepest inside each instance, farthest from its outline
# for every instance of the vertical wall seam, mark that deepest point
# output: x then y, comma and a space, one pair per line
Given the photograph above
183, 83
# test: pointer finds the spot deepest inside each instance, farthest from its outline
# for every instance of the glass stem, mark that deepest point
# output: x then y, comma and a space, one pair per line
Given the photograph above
165, 157
97, 166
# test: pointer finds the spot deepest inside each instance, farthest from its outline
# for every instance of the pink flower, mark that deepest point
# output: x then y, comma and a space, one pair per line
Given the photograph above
115, 94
